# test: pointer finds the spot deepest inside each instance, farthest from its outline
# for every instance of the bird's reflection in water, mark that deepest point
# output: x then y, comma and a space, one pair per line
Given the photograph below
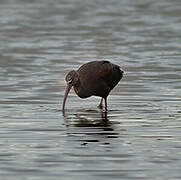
87, 118
91, 125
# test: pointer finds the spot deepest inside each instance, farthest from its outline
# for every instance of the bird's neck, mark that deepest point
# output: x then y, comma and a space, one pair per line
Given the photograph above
79, 90
77, 86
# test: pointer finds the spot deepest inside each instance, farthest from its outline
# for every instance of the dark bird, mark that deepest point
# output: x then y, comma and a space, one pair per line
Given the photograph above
96, 78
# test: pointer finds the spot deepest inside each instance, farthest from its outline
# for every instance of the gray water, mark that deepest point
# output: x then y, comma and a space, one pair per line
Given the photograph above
40, 41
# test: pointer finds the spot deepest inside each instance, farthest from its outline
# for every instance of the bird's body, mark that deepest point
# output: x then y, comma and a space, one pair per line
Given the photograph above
96, 78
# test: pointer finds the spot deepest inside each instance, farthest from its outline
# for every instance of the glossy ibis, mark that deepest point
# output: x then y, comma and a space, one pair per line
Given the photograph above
96, 78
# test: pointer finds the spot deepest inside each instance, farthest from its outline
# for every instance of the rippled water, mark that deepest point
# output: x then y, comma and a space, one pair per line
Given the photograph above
40, 41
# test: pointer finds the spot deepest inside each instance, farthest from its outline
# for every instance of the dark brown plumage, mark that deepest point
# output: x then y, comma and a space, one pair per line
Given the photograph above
96, 78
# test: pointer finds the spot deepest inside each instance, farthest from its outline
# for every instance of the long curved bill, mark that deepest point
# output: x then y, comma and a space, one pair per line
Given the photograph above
65, 96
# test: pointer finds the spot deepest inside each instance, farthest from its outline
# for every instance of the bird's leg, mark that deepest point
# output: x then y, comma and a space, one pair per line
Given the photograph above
105, 99
100, 105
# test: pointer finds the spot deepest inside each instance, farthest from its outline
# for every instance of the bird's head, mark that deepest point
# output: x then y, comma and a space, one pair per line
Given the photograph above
72, 79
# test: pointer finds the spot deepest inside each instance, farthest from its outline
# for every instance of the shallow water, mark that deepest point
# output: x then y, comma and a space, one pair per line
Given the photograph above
139, 137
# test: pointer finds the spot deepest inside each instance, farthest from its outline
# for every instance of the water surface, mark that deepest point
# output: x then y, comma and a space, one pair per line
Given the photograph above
139, 137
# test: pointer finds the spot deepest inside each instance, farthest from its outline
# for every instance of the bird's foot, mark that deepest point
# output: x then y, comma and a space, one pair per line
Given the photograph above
105, 109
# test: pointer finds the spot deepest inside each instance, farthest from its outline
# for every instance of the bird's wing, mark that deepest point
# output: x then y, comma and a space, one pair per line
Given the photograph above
110, 73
